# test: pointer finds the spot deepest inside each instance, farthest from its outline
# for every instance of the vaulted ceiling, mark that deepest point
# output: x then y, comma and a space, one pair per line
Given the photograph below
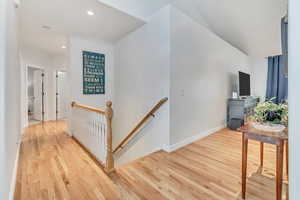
253, 26
138, 8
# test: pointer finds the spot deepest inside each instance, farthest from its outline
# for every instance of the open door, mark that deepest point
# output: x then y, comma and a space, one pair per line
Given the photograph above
38, 88
61, 95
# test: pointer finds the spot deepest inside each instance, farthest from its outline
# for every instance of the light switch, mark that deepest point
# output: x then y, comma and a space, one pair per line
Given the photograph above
17, 3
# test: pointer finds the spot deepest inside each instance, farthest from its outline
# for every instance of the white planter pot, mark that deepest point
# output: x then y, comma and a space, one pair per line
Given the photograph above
269, 127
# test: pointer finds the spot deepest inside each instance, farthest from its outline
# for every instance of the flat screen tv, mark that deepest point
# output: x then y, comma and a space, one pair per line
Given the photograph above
244, 84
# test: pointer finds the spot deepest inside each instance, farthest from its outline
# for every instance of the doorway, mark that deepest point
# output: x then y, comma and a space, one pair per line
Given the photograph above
35, 93
61, 95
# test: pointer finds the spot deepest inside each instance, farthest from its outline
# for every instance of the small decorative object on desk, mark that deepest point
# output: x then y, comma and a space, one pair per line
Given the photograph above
269, 116
234, 95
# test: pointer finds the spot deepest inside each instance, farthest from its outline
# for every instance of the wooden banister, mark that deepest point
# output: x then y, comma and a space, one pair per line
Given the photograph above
109, 168
109, 164
74, 104
151, 113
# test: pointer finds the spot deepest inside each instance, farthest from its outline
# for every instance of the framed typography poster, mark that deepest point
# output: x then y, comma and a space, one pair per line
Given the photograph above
93, 73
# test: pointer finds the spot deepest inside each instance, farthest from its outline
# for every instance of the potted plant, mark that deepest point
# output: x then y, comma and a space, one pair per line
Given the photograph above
269, 116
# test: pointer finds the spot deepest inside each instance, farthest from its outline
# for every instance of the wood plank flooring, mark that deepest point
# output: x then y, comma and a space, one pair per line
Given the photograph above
53, 166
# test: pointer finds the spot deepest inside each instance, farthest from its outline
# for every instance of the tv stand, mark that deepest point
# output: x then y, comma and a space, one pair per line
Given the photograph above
239, 109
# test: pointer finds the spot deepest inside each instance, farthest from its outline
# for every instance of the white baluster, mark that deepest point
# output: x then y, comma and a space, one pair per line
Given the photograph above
90, 129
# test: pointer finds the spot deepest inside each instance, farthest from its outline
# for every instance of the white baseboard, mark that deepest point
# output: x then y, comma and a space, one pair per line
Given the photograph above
14, 175
192, 139
119, 162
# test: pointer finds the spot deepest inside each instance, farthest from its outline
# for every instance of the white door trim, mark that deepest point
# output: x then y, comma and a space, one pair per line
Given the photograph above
25, 89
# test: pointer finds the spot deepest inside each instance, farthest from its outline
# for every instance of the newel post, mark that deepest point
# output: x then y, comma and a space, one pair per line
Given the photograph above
109, 168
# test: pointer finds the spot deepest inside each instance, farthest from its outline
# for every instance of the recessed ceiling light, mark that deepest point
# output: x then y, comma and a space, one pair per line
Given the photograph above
89, 12
63, 47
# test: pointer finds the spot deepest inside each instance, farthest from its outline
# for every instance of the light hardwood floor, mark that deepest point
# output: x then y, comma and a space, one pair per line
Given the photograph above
53, 166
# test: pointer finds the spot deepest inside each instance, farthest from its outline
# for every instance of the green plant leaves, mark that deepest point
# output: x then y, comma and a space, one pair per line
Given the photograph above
269, 112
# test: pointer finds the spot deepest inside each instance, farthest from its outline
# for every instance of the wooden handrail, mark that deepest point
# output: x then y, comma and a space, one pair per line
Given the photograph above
109, 164
74, 104
151, 113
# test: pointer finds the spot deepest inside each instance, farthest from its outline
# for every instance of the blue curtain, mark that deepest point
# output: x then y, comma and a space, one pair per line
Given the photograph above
284, 43
277, 82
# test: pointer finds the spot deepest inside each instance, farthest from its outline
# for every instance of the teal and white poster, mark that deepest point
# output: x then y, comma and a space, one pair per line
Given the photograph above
93, 73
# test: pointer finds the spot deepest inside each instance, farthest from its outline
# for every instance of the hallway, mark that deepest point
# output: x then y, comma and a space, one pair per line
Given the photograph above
53, 166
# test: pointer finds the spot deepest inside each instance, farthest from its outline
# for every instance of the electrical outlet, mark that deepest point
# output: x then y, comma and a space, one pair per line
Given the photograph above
182, 92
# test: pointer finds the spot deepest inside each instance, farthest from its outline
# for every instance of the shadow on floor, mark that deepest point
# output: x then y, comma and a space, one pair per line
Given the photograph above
259, 183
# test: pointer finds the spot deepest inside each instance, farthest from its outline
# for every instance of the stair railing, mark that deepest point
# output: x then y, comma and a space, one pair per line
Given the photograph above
139, 125
92, 130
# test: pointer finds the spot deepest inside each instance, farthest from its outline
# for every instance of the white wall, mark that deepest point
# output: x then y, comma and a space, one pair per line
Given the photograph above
77, 45
50, 63
10, 96
200, 73
294, 96
141, 80
190, 8
203, 71
259, 75
2, 99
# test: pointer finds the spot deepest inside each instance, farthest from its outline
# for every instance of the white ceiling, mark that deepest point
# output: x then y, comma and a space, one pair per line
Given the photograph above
138, 8
253, 26
67, 18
